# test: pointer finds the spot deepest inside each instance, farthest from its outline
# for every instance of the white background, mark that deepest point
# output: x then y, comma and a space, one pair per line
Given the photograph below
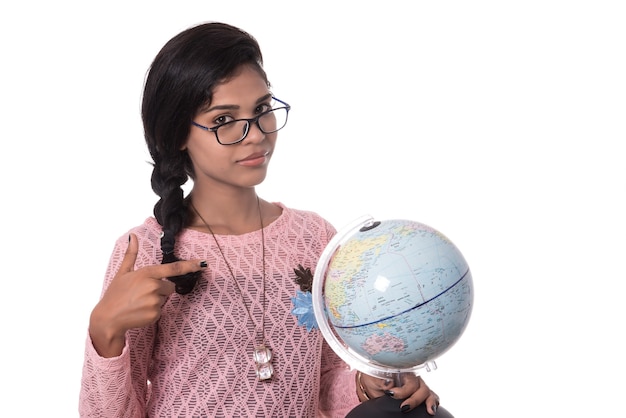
499, 123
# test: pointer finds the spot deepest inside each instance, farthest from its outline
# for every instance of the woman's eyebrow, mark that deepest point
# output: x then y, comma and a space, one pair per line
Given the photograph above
222, 107
236, 107
264, 98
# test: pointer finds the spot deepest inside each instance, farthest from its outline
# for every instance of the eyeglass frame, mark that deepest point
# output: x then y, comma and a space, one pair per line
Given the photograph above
249, 121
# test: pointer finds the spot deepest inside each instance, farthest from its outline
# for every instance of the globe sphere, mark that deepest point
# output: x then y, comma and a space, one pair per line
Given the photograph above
392, 296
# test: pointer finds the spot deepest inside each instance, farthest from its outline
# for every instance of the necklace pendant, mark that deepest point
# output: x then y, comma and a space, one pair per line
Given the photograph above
262, 357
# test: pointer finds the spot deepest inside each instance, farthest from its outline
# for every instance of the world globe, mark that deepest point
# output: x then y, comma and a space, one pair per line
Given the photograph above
392, 296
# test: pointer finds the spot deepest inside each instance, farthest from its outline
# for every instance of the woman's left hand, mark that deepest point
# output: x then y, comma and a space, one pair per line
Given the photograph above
413, 391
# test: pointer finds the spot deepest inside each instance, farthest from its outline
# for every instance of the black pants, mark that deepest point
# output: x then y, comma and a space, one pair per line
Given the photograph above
387, 407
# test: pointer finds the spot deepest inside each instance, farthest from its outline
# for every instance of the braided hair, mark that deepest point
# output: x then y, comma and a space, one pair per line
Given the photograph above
179, 83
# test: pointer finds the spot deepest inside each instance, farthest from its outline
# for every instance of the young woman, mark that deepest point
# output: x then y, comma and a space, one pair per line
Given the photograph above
196, 317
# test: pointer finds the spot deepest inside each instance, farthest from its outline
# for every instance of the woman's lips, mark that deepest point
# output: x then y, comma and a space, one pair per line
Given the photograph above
258, 158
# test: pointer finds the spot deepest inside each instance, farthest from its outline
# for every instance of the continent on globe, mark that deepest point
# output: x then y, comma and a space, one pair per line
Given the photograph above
385, 342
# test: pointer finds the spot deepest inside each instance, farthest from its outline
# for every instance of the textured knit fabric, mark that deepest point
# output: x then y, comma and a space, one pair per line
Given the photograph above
196, 361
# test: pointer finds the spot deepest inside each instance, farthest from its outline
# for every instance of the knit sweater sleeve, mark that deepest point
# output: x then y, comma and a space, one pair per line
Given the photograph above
110, 387
337, 388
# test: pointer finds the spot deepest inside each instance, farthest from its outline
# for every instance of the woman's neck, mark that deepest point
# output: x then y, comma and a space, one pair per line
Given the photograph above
226, 213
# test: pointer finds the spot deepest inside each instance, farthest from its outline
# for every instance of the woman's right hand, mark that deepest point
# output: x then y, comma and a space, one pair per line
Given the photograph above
133, 299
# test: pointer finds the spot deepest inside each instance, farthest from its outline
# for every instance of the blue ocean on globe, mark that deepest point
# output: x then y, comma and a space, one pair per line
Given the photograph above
398, 293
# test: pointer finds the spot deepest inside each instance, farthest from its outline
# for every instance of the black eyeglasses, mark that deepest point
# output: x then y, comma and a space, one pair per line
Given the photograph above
235, 131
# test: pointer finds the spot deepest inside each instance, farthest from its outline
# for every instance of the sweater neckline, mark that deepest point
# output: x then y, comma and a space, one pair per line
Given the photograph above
188, 233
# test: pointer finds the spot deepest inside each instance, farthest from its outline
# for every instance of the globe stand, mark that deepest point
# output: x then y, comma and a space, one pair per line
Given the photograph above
397, 377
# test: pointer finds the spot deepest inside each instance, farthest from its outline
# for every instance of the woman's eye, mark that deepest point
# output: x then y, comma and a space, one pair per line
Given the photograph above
263, 108
220, 120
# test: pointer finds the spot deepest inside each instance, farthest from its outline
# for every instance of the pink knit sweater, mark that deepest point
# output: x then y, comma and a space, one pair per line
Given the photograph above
197, 360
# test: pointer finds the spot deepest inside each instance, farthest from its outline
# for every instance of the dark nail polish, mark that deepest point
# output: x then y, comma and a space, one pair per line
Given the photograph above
129, 238
389, 393
435, 408
203, 264
405, 408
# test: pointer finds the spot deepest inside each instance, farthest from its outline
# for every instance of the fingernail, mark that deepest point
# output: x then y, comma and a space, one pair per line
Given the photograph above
203, 264
389, 392
434, 408
405, 408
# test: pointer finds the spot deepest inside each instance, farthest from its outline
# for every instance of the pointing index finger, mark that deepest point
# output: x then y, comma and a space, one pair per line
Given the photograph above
130, 256
177, 268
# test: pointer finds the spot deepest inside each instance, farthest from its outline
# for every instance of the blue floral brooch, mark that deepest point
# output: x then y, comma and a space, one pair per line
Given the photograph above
303, 302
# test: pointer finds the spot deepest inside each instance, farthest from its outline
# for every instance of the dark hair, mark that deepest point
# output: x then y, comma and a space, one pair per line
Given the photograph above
179, 83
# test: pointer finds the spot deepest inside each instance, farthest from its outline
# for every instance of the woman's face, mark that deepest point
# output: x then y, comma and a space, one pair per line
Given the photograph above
242, 165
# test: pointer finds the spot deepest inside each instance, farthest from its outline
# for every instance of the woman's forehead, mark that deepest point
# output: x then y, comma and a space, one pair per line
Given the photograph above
247, 86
